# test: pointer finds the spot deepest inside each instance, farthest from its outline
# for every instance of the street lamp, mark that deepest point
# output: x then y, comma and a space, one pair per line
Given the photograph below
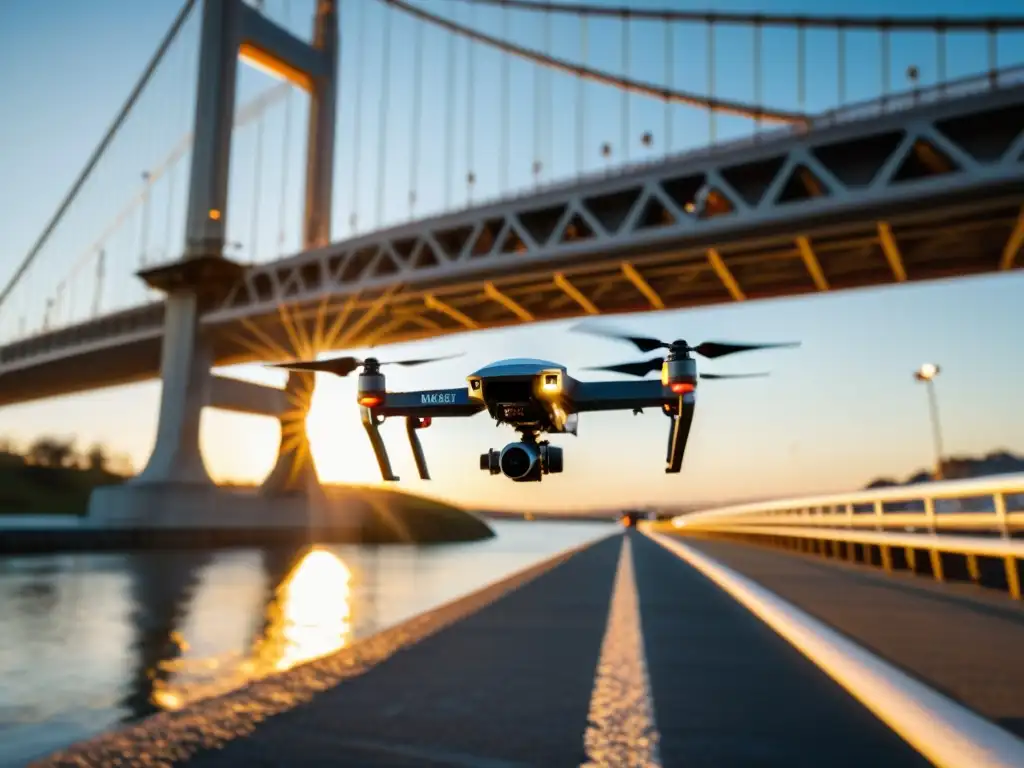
927, 374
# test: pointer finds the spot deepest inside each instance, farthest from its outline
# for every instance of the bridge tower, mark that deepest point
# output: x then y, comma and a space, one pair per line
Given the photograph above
175, 476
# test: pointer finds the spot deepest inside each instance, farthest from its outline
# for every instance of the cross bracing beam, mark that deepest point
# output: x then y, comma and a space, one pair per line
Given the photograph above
851, 191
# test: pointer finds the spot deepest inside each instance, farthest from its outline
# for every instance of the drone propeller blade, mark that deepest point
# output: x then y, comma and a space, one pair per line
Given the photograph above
714, 349
339, 366
643, 343
732, 375
640, 368
422, 361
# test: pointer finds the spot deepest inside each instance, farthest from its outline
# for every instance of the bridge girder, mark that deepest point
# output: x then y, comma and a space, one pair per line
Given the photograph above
904, 192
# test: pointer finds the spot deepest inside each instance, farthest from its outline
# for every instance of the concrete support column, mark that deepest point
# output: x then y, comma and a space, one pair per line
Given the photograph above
323, 111
295, 471
206, 221
185, 372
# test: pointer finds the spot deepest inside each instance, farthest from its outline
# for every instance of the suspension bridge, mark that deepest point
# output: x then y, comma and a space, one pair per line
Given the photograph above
474, 164
501, 163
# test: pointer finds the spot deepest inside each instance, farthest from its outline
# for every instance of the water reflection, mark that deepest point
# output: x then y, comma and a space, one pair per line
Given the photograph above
88, 640
308, 615
162, 585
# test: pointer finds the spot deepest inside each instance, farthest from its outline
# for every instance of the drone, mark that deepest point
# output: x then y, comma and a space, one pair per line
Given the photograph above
537, 397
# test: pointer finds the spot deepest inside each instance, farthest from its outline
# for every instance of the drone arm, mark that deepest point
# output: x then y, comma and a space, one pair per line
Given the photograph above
619, 395
434, 403
379, 450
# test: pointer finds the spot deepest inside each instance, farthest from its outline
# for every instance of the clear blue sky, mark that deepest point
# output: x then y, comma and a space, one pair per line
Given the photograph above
835, 413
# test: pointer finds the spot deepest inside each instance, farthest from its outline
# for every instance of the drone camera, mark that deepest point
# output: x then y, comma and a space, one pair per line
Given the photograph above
523, 462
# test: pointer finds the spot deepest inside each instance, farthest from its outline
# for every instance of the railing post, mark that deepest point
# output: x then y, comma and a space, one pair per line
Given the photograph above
934, 553
886, 552
1010, 564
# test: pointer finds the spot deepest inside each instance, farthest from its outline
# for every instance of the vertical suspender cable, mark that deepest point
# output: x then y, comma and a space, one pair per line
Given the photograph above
282, 221
144, 219
357, 132
503, 155
940, 56
535, 73
841, 63
581, 99
712, 115
886, 64
257, 198
758, 59
101, 271
382, 116
172, 174
670, 80
993, 54
548, 153
801, 67
470, 83
285, 144
627, 68
449, 158
417, 109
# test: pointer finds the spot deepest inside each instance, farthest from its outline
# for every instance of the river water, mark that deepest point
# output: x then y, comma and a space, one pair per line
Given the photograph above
88, 641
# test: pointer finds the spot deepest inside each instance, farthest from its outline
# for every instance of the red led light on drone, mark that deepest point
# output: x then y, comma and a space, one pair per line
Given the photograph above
370, 401
681, 388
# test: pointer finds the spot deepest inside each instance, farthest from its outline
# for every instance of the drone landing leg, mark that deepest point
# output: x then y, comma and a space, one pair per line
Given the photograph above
678, 433
379, 450
412, 423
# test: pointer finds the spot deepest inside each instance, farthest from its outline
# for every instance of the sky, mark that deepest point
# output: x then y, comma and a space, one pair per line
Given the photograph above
835, 413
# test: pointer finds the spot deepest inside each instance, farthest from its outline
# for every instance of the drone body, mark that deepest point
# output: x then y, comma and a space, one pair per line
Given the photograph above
534, 397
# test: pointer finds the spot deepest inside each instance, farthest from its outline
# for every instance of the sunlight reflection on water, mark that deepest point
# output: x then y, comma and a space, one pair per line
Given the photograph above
308, 616
91, 640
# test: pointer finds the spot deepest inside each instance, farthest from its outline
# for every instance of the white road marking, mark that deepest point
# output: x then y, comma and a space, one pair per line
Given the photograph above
621, 730
942, 730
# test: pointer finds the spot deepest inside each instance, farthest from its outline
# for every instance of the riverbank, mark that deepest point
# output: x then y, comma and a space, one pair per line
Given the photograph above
44, 509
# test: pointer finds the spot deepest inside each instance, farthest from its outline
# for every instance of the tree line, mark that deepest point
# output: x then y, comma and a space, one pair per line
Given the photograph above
56, 452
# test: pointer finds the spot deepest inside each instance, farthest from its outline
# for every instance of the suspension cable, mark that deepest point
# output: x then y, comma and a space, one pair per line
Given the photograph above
417, 110
382, 114
449, 111
504, 156
581, 100
257, 198
357, 118
101, 148
250, 111
768, 20
282, 220
470, 93
646, 89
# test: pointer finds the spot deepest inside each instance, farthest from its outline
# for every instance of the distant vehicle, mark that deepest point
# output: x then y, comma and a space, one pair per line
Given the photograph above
536, 397
631, 517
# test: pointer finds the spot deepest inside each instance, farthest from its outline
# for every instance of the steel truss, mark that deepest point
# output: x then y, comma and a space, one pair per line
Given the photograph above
930, 191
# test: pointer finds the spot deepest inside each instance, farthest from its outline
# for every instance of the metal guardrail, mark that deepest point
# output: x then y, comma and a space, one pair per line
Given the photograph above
993, 504
955, 522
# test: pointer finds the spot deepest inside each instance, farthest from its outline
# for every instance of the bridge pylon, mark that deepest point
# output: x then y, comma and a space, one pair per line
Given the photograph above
175, 475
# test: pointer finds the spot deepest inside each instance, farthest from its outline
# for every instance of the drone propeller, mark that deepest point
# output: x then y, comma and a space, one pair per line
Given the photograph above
708, 349
343, 366
642, 367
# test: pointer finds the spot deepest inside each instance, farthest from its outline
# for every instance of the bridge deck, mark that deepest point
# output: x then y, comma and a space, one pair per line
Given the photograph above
513, 682
959, 639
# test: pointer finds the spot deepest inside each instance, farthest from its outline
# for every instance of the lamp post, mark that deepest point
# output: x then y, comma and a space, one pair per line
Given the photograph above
927, 374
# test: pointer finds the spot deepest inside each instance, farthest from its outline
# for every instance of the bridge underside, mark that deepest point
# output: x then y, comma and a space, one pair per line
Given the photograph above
923, 193
961, 240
